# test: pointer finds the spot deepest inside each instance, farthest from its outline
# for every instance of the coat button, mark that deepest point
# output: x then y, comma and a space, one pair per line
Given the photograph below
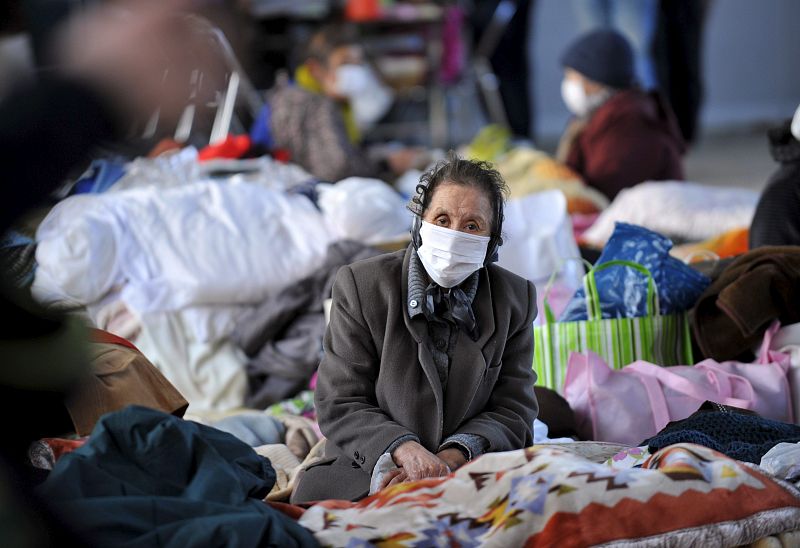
413, 303
355, 455
440, 344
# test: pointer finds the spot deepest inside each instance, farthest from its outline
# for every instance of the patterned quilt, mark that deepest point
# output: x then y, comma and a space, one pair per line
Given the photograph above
683, 495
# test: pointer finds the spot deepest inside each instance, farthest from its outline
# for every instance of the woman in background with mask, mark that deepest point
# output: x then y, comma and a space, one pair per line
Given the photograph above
621, 135
428, 354
320, 116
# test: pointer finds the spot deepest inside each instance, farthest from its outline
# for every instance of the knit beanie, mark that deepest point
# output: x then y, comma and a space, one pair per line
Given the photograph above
604, 56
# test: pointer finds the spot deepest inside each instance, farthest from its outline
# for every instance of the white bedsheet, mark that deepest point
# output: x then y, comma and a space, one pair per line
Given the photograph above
172, 264
690, 211
209, 374
203, 243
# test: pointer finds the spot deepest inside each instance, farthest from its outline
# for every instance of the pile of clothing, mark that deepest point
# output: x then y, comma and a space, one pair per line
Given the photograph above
189, 259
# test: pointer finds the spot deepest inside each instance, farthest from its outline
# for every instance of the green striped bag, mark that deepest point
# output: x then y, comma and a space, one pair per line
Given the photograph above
656, 338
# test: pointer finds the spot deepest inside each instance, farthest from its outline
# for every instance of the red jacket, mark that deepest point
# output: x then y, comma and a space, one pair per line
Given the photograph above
633, 137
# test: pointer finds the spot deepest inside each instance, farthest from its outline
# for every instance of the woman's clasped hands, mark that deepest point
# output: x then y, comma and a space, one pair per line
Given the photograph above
415, 462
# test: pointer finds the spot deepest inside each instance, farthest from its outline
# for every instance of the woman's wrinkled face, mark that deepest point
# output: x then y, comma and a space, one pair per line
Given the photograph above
465, 208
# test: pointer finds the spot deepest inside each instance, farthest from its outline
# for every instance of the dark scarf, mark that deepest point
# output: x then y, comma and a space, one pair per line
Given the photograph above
450, 306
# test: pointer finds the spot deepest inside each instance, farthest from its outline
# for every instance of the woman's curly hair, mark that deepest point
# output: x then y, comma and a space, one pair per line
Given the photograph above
460, 171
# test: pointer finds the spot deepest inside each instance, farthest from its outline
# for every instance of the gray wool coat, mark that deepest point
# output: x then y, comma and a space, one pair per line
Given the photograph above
378, 381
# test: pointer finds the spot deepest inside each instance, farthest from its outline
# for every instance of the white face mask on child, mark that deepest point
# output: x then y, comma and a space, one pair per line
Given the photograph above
450, 256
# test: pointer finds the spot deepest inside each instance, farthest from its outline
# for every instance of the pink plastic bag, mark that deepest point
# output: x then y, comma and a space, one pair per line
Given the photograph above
633, 404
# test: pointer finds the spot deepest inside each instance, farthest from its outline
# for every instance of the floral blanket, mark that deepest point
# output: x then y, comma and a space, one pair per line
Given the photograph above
683, 495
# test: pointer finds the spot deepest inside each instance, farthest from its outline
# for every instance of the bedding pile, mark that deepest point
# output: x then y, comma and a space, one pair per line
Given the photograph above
570, 494
685, 212
205, 243
177, 253
684, 495
148, 478
220, 271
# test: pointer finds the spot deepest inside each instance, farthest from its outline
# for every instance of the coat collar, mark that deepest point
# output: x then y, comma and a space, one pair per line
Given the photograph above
481, 306
418, 281
469, 360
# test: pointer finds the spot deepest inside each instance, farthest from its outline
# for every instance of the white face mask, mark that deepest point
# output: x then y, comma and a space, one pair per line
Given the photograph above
796, 124
369, 98
450, 256
574, 97
577, 101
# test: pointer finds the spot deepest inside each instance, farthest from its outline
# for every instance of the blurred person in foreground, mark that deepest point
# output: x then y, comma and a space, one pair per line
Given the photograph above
112, 68
321, 115
109, 75
620, 135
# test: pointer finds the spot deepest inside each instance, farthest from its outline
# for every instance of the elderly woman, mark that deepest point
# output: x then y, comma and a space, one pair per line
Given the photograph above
428, 354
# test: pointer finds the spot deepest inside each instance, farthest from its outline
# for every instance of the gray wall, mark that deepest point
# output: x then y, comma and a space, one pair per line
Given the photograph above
751, 56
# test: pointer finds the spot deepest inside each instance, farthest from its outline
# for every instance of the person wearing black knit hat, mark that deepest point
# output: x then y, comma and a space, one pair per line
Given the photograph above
620, 135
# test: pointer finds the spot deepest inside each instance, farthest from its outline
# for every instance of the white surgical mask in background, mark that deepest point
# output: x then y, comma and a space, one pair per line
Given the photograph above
577, 101
796, 124
369, 97
574, 97
450, 256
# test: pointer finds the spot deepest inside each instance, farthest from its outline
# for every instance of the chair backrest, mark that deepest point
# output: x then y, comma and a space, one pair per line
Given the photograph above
486, 79
235, 103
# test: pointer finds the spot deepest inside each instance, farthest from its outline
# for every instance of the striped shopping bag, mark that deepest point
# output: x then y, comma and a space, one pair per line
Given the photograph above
656, 338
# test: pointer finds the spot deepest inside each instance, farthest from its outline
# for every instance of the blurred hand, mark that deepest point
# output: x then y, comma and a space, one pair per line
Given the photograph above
140, 53
417, 462
452, 457
404, 159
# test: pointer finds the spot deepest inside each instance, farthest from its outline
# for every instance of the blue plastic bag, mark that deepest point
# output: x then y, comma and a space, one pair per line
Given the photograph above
261, 132
623, 290
101, 176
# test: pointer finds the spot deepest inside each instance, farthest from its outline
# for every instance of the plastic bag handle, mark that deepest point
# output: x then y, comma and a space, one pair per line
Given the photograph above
707, 253
548, 312
769, 334
658, 402
593, 309
686, 387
